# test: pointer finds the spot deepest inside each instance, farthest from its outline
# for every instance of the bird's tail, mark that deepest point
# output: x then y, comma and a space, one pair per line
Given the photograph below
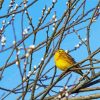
82, 74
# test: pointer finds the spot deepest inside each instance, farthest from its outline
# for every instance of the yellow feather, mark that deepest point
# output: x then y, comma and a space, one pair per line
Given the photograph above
64, 61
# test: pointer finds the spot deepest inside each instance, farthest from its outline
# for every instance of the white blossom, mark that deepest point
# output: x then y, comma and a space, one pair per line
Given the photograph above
29, 50
3, 22
73, 95
11, 1
54, 16
3, 44
66, 51
88, 71
66, 87
53, 28
34, 67
77, 46
10, 5
20, 47
8, 22
25, 31
59, 96
24, 78
14, 42
94, 19
17, 62
55, 19
54, 1
13, 15
29, 73
66, 94
42, 59
37, 86
46, 12
48, 9
61, 89
26, 12
80, 43
25, 5
27, 55
34, 72
66, 3
28, 28
25, 1
85, 39
18, 52
54, 24
32, 46
11, 10
3, 39
1, 28
16, 6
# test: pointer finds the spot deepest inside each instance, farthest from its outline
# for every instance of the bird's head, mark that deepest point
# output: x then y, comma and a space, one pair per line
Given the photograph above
58, 52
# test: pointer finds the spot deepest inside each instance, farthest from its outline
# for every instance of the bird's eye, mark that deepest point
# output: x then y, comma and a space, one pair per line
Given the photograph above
59, 50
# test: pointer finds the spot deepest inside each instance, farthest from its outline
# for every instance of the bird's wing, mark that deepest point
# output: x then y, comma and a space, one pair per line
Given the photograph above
68, 58
73, 61
71, 58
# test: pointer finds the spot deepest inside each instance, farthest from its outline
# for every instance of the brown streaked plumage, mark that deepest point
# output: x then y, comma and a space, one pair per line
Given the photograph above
64, 61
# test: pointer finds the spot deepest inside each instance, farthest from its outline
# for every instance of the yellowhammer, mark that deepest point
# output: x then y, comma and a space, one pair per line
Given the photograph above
64, 61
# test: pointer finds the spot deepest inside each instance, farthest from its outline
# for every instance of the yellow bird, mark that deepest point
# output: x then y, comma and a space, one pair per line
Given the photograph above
1, 2
64, 61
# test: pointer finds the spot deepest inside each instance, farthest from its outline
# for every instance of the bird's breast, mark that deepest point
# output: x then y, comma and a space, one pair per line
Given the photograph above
62, 64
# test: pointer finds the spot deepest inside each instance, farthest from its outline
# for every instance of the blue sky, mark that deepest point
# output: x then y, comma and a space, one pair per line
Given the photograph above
11, 75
